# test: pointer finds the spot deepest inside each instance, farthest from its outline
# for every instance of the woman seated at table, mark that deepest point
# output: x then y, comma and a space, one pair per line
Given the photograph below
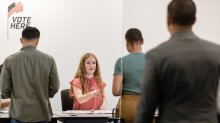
87, 87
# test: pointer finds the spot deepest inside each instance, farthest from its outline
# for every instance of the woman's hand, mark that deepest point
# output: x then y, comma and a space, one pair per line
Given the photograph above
95, 93
82, 98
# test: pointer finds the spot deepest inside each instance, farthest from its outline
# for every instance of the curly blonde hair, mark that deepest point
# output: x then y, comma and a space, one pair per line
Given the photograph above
81, 71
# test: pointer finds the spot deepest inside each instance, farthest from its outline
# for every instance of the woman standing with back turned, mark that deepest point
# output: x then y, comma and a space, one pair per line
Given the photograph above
128, 75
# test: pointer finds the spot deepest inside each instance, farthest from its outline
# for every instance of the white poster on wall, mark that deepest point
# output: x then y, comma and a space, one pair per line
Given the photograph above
17, 15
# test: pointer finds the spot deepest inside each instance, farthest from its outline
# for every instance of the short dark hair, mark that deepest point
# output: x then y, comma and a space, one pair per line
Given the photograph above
182, 12
30, 33
133, 35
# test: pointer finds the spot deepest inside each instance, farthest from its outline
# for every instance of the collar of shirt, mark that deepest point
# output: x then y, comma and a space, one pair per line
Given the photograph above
184, 34
30, 47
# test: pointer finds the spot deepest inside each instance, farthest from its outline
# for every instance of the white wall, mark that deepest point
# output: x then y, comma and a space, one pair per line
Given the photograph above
69, 29
150, 17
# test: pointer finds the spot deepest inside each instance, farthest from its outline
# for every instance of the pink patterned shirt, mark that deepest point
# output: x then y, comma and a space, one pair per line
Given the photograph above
95, 102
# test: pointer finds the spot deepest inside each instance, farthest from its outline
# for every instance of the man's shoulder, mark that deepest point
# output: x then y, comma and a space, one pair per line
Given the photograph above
43, 54
161, 48
173, 47
12, 57
38, 54
210, 44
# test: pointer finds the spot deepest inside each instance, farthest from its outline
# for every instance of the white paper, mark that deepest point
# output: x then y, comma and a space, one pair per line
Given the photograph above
88, 112
4, 111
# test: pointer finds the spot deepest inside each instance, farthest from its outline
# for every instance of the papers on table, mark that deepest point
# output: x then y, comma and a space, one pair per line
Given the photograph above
103, 111
88, 112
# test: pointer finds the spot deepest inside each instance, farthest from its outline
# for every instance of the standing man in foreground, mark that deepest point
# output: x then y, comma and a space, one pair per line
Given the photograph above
182, 74
29, 77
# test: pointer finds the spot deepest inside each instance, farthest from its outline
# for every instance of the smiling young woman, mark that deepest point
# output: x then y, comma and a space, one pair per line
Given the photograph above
87, 87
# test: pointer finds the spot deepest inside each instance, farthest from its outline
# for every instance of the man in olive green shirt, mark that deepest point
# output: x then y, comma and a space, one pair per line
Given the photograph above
29, 77
3, 102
